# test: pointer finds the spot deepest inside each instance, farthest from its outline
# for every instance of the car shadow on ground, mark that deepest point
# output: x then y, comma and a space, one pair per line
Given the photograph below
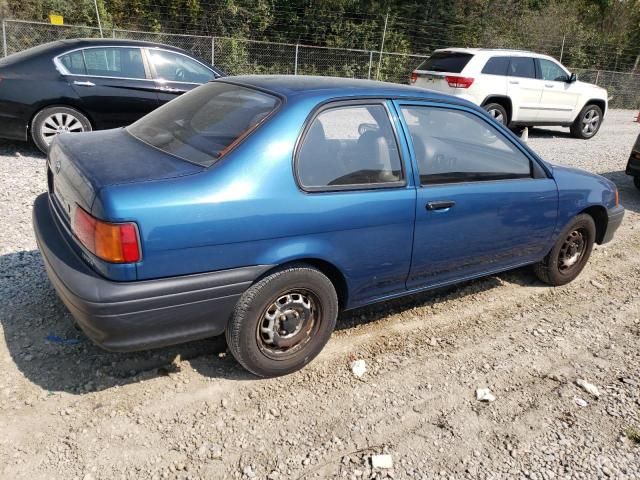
20, 149
52, 353
540, 132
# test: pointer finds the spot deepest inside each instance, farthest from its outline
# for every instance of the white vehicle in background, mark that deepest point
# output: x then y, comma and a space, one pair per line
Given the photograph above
518, 88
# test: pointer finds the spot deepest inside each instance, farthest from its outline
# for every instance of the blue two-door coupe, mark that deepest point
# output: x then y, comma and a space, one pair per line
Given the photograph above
261, 206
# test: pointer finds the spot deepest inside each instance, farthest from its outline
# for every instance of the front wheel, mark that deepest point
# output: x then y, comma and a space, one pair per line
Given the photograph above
587, 123
283, 321
52, 121
569, 255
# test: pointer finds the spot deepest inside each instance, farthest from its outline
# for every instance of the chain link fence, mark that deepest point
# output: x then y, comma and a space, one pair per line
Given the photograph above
241, 56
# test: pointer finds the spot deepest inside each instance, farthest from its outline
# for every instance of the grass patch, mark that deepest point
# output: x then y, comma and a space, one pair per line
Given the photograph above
633, 435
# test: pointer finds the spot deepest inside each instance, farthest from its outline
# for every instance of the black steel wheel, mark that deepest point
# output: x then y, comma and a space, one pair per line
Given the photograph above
570, 253
283, 321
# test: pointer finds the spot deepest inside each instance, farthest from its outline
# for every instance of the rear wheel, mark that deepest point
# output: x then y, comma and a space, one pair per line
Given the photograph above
587, 123
52, 121
283, 321
570, 254
498, 112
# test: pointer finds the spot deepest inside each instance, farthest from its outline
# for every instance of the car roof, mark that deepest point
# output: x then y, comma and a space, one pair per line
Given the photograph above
492, 51
290, 86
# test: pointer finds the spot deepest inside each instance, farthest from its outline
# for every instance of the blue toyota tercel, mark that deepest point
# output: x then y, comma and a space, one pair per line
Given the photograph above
262, 206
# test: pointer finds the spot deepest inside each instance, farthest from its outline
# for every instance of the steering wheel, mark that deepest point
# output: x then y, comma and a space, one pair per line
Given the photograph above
180, 74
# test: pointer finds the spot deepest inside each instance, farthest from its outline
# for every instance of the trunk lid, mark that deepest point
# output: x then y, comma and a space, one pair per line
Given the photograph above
80, 164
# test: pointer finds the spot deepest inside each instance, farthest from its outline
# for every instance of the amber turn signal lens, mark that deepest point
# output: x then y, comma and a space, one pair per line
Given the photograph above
112, 242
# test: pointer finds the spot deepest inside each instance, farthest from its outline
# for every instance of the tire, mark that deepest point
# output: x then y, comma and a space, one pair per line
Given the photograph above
52, 121
554, 269
497, 112
587, 123
309, 311
636, 182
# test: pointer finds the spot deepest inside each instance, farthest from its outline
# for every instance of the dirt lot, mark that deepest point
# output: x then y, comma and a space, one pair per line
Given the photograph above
70, 410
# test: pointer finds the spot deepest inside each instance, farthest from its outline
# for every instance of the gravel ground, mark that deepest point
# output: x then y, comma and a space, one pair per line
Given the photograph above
70, 410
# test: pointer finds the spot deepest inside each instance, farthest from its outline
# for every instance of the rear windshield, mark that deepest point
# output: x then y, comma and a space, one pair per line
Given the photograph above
203, 124
450, 62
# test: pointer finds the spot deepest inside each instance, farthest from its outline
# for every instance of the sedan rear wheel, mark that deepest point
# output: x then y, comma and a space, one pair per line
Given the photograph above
569, 255
283, 321
52, 121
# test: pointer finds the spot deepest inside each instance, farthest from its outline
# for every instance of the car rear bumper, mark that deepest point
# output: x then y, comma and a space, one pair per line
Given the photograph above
615, 215
12, 128
128, 316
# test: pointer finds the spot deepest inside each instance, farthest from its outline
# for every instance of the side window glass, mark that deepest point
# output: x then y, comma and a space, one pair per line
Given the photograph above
456, 146
174, 67
350, 146
74, 63
551, 71
496, 66
114, 62
522, 67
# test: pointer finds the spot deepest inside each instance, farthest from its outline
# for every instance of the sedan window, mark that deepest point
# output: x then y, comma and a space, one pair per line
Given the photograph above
457, 146
173, 67
121, 62
347, 147
202, 125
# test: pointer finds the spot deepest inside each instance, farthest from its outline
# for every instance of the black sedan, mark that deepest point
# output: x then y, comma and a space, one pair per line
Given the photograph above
633, 166
86, 84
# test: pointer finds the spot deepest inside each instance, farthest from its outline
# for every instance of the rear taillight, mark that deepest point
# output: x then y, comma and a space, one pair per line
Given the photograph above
617, 197
459, 82
414, 77
112, 242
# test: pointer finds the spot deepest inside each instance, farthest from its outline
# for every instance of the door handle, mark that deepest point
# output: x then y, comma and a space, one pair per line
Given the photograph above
440, 205
549, 85
514, 82
84, 84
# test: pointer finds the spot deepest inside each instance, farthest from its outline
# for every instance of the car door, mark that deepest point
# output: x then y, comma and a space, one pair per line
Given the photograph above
357, 195
175, 73
112, 82
524, 89
559, 96
483, 204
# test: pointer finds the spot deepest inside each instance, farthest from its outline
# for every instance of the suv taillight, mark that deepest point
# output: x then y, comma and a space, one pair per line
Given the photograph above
459, 82
112, 242
414, 77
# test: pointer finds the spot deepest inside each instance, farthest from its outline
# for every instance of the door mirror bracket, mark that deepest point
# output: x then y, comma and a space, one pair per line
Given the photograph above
573, 78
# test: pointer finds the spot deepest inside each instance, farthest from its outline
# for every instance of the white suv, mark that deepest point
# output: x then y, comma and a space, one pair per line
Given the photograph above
517, 88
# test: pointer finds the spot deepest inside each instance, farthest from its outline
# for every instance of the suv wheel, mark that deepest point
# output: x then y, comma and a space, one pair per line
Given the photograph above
587, 123
52, 121
497, 112
283, 321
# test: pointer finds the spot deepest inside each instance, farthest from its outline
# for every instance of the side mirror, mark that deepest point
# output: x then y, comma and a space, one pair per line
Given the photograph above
573, 78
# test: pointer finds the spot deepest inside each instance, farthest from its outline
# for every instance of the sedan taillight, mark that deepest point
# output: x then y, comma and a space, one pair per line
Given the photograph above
459, 82
112, 242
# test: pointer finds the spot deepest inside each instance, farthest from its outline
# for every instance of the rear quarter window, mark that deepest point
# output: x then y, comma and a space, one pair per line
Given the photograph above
496, 66
202, 125
450, 62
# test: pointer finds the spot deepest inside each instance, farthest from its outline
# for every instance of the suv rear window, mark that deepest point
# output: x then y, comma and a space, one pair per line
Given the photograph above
450, 62
202, 125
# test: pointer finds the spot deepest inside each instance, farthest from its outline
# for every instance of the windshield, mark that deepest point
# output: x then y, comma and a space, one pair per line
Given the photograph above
204, 124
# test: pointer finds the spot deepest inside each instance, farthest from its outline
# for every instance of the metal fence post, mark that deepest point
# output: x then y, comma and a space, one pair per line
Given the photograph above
370, 64
213, 51
113, 33
597, 77
562, 48
295, 66
4, 37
